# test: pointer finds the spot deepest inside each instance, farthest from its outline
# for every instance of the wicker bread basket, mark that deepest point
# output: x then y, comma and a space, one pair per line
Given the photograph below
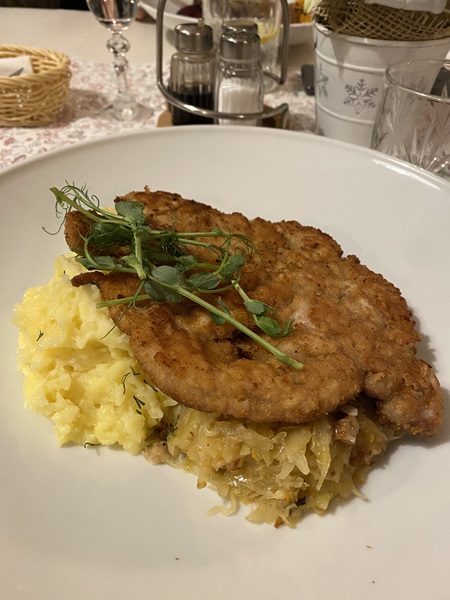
34, 99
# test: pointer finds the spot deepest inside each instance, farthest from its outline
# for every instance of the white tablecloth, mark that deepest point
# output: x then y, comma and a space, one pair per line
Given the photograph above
93, 84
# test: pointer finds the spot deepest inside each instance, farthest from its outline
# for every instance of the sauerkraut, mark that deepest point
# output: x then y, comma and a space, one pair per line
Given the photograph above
281, 471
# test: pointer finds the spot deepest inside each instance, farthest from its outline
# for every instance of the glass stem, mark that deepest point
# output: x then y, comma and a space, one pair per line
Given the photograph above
124, 106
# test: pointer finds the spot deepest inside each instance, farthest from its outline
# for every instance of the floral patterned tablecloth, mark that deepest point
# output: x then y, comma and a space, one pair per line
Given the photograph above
93, 84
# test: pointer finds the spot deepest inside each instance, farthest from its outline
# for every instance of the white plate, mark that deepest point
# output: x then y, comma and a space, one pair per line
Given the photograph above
81, 523
299, 33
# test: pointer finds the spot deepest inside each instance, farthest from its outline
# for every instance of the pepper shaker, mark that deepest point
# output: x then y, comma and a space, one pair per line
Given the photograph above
192, 72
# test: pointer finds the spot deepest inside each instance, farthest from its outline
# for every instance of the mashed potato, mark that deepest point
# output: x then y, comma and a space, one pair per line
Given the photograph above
79, 372
77, 367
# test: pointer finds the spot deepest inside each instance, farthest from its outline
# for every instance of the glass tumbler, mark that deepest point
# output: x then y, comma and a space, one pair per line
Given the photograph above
413, 117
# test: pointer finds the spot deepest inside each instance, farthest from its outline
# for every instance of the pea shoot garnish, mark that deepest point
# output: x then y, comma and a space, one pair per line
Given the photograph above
166, 264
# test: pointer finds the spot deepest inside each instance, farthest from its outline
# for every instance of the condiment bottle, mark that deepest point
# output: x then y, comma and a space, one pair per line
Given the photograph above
192, 72
239, 80
242, 26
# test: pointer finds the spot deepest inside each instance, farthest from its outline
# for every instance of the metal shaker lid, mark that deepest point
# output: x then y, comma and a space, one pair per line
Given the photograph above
193, 37
239, 26
245, 45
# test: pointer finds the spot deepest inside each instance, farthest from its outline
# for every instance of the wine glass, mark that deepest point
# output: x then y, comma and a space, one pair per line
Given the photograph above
117, 16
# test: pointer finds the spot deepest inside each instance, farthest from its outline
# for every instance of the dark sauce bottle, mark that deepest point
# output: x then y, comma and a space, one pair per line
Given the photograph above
197, 96
192, 72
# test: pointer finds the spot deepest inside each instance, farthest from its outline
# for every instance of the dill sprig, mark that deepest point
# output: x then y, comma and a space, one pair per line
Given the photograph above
165, 263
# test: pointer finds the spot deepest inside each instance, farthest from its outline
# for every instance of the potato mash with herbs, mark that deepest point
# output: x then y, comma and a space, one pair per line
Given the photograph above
78, 368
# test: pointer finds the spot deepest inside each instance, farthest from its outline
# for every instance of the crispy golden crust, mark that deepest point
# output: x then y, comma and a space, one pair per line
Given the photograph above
353, 330
76, 227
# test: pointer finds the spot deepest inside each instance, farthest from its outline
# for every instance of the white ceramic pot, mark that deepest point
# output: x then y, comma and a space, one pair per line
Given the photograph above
349, 79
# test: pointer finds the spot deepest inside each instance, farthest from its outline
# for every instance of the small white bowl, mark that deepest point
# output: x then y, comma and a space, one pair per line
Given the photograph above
299, 33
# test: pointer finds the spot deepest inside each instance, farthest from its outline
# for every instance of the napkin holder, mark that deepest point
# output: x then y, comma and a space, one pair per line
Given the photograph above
278, 113
34, 99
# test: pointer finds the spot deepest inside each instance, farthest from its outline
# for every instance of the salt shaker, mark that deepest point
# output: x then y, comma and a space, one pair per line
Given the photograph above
239, 80
192, 72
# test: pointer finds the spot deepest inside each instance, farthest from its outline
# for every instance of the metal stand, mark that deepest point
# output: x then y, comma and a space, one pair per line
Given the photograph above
282, 109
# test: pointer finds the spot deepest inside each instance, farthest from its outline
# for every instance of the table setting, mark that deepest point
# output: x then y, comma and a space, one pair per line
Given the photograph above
85, 517
92, 83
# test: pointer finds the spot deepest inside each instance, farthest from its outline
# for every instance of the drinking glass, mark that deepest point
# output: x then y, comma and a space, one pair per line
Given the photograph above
413, 117
117, 16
